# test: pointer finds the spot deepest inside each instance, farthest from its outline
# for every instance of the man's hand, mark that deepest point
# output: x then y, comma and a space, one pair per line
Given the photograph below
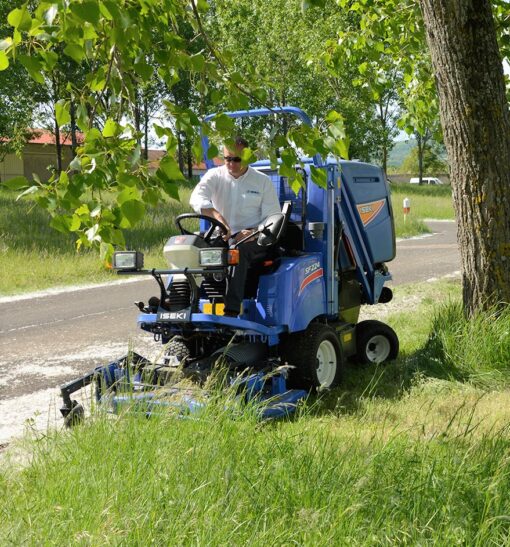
213, 213
242, 234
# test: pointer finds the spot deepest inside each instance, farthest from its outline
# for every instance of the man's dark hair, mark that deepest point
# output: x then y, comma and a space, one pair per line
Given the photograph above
241, 142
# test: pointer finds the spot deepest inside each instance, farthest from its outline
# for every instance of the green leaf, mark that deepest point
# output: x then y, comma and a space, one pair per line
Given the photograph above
128, 194
248, 156
151, 196
20, 19
133, 211
87, 11
75, 223
125, 179
212, 151
76, 52
62, 223
144, 70
223, 122
319, 176
62, 112
171, 168
171, 189
16, 183
4, 61
111, 128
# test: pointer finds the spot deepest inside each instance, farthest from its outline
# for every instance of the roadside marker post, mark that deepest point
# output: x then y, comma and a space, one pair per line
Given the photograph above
406, 206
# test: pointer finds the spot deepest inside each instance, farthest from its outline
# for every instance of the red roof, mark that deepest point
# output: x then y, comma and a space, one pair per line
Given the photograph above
43, 136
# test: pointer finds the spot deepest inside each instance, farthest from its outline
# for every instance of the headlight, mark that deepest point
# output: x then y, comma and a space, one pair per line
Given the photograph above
213, 257
127, 260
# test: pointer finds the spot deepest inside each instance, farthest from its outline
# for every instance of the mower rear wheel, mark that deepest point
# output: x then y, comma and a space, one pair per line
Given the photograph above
176, 351
376, 342
316, 355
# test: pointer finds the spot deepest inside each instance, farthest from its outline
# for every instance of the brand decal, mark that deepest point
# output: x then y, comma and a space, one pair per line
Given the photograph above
173, 315
368, 211
179, 240
312, 272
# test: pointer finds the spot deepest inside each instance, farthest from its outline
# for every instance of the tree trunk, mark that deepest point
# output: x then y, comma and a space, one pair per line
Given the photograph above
58, 145
189, 157
74, 141
145, 126
384, 127
476, 124
419, 143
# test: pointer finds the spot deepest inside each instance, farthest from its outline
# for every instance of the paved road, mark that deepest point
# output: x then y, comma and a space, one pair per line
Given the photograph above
47, 340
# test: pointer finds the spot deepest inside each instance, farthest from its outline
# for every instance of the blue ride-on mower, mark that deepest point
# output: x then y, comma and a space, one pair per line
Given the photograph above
299, 320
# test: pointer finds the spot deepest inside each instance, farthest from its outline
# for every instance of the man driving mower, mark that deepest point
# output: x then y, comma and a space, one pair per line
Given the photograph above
240, 197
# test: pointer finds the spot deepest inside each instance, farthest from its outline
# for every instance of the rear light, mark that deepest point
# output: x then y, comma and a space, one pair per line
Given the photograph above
233, 257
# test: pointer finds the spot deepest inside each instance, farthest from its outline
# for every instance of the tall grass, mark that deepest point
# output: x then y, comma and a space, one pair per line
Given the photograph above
217, 481
476, 348
412, 453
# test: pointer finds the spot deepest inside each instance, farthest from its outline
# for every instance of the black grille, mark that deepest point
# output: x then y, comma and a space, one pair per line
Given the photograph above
179, 296
214, 290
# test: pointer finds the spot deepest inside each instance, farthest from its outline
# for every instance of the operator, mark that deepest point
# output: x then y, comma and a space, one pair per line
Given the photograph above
240, 197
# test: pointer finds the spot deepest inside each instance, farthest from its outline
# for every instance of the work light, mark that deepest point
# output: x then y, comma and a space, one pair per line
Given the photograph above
213, 257
127, 260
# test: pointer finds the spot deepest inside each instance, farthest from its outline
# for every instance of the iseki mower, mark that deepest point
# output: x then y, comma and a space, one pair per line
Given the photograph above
299, 320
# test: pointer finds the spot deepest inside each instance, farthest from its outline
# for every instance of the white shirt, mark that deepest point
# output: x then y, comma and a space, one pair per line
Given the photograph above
244, 202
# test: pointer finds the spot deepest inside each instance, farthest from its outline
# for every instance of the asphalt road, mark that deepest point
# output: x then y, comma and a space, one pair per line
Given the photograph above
46, 340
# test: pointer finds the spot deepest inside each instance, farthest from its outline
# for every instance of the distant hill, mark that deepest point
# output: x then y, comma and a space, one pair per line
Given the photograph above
400, 151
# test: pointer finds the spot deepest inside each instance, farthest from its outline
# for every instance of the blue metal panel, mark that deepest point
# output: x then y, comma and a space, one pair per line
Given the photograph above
295, 294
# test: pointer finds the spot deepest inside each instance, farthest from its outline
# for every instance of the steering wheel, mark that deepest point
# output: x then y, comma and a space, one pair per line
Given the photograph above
207, 236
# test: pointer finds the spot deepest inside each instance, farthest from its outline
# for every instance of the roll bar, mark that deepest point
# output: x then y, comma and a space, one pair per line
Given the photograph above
259, 112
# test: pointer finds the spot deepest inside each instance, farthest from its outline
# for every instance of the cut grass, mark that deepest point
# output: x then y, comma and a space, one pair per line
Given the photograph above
414, 452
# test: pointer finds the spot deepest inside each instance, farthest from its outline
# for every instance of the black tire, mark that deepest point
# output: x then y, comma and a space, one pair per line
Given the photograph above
316, 355
376, 342
177, 351
75, 416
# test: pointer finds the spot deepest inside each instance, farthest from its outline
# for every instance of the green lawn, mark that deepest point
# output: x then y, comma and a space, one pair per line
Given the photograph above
413, 453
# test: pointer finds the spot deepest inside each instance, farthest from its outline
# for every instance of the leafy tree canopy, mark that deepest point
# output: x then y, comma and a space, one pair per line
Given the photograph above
109, 186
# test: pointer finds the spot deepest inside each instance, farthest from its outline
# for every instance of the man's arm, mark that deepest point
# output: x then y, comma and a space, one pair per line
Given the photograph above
213, 213
270, 203
201, 200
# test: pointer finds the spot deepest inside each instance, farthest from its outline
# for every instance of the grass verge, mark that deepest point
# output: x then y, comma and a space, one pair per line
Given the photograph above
427, 202
414, 452
33, 256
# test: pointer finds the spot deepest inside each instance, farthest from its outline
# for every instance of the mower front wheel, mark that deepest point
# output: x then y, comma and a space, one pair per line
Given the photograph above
316, 356
176, 351
376, 342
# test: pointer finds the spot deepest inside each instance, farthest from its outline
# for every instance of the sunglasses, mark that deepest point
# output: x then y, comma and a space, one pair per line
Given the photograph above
235, 159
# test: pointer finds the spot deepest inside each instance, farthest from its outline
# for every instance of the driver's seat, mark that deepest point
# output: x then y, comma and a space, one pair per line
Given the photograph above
257, 269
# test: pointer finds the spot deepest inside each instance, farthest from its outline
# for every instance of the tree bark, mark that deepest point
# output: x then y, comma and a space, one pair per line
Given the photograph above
476, 124
74, 140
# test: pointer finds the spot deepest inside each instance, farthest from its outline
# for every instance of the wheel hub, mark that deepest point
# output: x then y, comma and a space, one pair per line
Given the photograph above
378, 348
326, 363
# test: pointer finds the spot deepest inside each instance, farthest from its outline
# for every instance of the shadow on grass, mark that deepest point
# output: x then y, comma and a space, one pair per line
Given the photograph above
391, 380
